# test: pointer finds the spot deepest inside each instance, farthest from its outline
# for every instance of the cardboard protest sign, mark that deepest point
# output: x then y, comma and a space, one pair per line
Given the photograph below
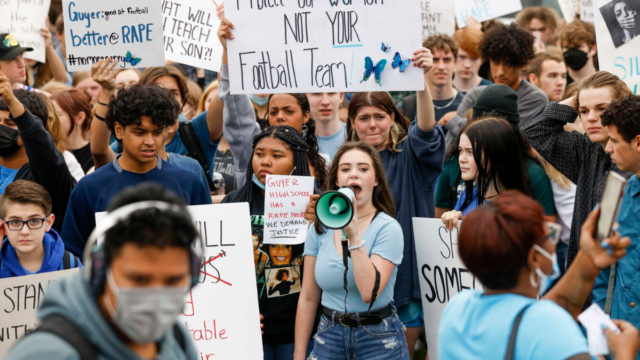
190, 28
437, 18
285, 201
442, 273
569, 9
127, 30
19, 305
221, 312
484, 9
586, 10
321, 46
617, 50
23, 19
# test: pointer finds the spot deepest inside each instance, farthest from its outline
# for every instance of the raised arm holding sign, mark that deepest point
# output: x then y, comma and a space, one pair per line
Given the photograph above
323, 46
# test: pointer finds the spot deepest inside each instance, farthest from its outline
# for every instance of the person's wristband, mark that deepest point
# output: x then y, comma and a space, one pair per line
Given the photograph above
100, 118
351, 248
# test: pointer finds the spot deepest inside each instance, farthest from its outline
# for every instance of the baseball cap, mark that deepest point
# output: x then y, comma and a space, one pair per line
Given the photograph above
10, 47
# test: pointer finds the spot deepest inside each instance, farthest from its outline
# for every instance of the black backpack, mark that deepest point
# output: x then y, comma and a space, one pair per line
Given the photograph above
194, 149
63, 328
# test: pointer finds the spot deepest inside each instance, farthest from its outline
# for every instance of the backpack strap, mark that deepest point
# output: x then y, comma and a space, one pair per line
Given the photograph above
61, 327
511, 348
66, 260
177, 333
194, 149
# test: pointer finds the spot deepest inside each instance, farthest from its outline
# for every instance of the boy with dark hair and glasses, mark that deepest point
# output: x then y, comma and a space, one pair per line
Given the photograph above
30, 245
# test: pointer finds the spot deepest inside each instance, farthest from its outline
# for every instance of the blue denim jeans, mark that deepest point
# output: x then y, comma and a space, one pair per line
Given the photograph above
281, 351
372, 342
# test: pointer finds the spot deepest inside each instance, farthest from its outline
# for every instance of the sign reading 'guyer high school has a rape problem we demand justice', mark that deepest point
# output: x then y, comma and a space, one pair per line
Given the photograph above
323, 45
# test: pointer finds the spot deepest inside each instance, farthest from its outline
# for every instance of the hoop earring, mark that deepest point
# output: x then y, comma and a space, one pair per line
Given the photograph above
534, 283
305, 129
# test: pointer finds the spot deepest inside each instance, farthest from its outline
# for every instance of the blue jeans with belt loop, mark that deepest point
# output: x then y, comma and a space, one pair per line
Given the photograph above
371, 342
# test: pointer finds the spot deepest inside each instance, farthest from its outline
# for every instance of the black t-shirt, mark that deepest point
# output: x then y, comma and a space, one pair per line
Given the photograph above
84, 157
442, 107
225, 168
278, 293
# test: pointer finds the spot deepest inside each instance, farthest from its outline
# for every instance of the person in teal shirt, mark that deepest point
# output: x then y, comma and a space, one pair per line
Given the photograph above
375, 249
508, 247
620, 119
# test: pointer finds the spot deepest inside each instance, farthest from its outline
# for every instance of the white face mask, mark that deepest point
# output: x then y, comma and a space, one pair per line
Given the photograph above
546, 280
145, 314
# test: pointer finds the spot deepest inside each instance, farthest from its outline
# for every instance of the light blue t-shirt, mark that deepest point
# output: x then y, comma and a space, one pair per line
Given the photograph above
330, 144
6, 177
383, 237
176, 145
477, 326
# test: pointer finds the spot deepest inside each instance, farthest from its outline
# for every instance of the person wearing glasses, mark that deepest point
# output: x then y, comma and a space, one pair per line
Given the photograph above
30, 245
509, 248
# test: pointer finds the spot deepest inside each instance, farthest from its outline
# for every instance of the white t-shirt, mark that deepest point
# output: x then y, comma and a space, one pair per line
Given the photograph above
564, 200
74, 166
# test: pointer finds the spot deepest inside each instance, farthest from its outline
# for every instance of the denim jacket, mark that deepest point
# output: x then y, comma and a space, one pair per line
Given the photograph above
626, 294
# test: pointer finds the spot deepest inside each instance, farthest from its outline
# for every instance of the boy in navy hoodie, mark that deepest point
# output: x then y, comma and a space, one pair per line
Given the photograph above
140, 116
30, 245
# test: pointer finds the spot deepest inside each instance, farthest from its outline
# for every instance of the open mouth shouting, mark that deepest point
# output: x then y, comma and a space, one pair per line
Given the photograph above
356, 188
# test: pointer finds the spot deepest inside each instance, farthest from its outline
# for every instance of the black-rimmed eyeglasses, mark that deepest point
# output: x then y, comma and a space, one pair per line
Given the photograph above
17, 225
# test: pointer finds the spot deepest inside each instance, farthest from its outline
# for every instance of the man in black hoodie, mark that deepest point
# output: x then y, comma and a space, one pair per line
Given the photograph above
27, 151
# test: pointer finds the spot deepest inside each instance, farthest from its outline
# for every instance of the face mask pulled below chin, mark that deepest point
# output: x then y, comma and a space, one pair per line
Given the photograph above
547, 280
575, 59
259, 100
259, 183
8, 140
145, 314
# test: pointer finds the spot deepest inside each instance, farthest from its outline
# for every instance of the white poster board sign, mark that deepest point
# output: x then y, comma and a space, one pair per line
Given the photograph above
569, 9
322, 46
221, 313
285, 201
127, 30
617, 53
437, 18
23, 20
484, 9
442, 273
190, 28
19, 303
587, 11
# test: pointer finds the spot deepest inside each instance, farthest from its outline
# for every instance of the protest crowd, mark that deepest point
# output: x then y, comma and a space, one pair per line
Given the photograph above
514, 143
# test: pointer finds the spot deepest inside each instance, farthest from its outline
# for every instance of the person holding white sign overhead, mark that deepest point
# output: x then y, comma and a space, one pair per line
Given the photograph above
283, 109
508, 247
278, 150
125, 304
359, 319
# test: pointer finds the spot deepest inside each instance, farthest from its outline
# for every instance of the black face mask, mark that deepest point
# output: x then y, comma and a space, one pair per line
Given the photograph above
8, 141
575, 59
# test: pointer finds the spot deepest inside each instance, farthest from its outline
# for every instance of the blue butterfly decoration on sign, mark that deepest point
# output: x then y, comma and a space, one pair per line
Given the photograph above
385, 48
132, 59
398, 61
377, 70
